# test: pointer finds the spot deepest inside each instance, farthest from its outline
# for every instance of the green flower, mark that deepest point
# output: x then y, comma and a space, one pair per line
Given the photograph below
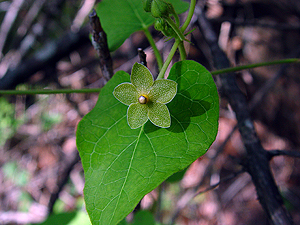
146, 98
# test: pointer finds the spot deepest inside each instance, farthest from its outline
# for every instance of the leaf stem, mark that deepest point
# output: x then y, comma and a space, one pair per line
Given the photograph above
182, 51
168, 60
160, 76
175, 28
250, 66
155, 50
48, 91
189, 16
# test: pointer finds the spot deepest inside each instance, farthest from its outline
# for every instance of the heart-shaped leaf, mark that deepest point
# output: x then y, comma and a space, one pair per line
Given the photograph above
121, 164
120, 19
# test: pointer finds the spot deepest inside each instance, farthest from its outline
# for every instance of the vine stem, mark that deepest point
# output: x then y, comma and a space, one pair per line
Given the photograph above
189, 16
49, 91
250, 66
168, 60
160, 76
155, 50
182, 51
179, 40
175, 28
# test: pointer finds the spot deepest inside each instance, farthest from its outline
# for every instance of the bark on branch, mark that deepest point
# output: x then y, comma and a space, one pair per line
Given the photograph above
256, 161
100, 44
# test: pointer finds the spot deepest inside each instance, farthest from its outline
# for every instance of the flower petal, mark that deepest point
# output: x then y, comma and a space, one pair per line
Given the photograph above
163, 91
137, 115
126, 93
141, 78
159, 115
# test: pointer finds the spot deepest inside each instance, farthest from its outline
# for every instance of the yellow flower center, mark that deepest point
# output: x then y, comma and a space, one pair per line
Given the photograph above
143, 99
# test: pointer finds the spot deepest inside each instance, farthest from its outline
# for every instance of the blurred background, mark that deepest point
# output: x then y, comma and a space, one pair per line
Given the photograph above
45, 44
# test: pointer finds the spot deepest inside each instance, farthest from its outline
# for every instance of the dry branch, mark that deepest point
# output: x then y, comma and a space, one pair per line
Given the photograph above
100, 44
48, 55
256, 161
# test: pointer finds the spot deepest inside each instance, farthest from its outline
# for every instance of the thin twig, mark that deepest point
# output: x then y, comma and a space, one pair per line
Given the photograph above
273, 153
142, 57
66, 168
100, 44
8, 22
190, 194
256, 23
30, 16
256, 161
263, 91
51, 53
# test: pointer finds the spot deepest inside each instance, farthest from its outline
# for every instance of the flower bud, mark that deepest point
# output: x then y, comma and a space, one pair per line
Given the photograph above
147, 5
160, 9
160, 24
164, 27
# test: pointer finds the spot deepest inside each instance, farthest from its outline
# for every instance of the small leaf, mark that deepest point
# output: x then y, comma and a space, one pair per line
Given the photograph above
137, 115
141, 78
163, 91
120, 19
126, 93
159, 115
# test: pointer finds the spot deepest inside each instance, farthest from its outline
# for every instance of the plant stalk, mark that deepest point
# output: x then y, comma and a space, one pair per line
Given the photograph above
168, 60
189, 16
160, 76
175, 28
182, 51
155, 50
48, 91
250, 66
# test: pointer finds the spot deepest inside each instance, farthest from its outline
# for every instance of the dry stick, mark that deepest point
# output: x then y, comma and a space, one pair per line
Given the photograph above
142, 56
8, 22
66, 168
51, 53
261, 93
256, 162
255, 101
186, 198
277, 152
211, 187
32, 13
254, 23
99, 40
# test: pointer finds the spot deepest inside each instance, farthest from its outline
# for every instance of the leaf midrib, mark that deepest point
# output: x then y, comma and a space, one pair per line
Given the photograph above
129, 168
136, 14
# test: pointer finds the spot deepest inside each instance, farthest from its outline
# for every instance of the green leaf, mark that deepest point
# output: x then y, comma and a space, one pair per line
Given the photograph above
120, 19
121, 164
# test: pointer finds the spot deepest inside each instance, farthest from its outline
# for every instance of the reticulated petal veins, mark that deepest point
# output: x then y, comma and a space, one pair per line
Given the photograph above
159, 115
163, 91
126, 93
137, 115
141, 78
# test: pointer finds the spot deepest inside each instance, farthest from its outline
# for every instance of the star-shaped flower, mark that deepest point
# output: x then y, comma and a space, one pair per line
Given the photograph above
146, 98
